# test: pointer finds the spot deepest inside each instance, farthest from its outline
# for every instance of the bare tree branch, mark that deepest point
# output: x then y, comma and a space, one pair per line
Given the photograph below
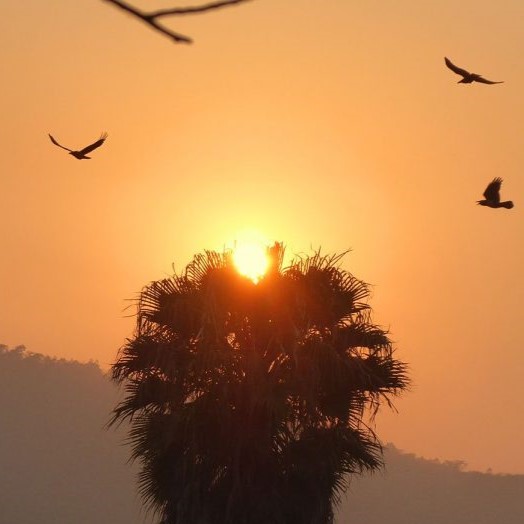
197, 9
150, 17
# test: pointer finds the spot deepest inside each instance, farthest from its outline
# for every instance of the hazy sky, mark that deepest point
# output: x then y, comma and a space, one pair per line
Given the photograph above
328, 123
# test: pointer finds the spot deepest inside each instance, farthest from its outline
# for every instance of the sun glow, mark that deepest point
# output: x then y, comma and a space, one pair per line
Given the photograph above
250, 258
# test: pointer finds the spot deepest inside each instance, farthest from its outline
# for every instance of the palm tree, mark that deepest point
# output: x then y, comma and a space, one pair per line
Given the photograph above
248, 402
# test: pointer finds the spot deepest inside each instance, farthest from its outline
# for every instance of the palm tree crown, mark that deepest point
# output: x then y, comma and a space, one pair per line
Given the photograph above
248, 401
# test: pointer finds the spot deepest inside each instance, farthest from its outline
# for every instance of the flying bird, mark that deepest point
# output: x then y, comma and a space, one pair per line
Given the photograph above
81, 154
467, 77
492, 196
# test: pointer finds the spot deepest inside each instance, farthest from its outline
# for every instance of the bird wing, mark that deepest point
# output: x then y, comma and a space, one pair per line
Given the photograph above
57, 144
456, 69
492, 191
484, 81
94, 145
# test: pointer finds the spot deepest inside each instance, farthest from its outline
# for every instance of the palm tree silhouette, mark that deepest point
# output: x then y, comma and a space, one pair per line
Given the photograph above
81, 154
492, 196
467, 77
248, 402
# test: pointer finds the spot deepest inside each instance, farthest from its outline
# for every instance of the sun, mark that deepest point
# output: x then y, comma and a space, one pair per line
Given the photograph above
251, 259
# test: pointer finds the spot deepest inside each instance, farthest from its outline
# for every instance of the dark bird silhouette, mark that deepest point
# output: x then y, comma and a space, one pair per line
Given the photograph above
81, 154
492, 196
467, 77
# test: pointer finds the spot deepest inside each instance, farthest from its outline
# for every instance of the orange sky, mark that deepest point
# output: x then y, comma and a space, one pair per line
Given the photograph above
316, 122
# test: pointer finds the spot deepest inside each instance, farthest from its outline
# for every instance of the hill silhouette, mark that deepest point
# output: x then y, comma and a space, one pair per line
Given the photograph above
58, 465
413, 490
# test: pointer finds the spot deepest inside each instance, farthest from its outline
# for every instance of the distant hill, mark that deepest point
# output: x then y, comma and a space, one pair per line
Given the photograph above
58, 465
414, 490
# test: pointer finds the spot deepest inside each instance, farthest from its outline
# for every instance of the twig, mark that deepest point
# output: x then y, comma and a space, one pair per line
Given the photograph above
150, 17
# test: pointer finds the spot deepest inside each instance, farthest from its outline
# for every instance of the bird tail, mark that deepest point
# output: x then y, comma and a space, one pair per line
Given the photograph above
508, 204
